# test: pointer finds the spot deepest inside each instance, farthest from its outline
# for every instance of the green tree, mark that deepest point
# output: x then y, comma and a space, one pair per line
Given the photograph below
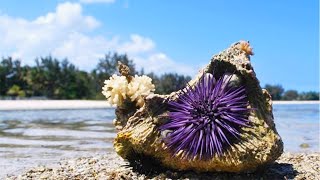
15, 91
74, 84
107, 67
47, 76
275, 91
11, 73
290, 95
59, 80
170, 82
309, 95
36, 78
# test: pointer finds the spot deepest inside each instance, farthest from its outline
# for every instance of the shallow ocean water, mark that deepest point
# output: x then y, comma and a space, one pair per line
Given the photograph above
30, 138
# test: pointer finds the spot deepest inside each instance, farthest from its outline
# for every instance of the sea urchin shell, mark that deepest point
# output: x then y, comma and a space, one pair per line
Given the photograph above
206, 119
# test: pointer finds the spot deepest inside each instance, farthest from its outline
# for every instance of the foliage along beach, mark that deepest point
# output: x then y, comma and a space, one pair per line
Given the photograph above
51, 78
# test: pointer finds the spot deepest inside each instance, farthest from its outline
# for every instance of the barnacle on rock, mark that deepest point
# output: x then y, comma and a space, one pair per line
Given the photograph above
139, 87
115, 89
245, 46
119, 88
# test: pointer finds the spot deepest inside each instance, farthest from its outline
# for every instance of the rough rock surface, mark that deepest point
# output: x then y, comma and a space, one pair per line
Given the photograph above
260, 145
111, 166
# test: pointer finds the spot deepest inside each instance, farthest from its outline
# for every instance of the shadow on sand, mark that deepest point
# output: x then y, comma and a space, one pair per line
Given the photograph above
149, 168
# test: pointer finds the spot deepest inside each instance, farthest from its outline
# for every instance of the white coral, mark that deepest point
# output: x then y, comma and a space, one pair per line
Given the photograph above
139, 87
115, 89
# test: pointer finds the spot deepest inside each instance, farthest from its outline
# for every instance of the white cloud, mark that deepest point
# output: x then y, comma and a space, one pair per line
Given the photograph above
68, 15
96, 1
46, 34
160, 63
67, 33
137, 44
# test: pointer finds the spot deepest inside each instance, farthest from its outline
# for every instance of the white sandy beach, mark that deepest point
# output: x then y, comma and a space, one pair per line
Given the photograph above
51, 104
296, 102
82, 104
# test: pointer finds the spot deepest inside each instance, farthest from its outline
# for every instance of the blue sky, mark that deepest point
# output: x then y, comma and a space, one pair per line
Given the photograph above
167, 36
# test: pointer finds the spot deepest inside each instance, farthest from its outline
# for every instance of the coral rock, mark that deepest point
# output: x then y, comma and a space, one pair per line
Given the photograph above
259, 144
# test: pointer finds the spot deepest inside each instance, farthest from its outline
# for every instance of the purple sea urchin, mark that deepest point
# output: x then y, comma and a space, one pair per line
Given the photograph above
206, 119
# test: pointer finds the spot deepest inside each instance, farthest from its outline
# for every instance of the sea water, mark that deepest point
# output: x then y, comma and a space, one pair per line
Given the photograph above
30, 138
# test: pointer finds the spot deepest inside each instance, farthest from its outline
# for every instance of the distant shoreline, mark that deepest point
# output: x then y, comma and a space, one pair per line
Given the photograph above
296, 102
10, 105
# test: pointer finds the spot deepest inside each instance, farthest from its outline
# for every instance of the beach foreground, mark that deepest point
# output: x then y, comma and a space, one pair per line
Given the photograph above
111, 166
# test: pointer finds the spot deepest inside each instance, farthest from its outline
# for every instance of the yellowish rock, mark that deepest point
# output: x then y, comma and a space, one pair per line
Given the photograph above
260, 144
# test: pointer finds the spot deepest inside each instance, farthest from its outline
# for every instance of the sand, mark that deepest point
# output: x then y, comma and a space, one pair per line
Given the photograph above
111, 166
51, 104
81, 104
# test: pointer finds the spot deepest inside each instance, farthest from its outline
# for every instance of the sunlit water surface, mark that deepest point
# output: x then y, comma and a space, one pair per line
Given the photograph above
30, 138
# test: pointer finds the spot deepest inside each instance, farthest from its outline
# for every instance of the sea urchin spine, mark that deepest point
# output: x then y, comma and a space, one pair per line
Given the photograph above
206, 119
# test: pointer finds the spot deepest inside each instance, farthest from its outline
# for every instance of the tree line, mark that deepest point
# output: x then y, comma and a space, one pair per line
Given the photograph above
51, 78
277, 92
